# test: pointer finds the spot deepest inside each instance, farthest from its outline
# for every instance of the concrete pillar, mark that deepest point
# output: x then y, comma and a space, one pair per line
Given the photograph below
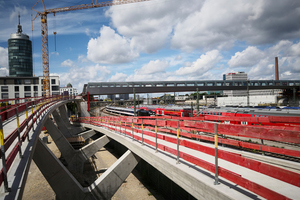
61, 125
59, 178
65, 148
65, 119
110, 181
87, 134
66, 186
74, 158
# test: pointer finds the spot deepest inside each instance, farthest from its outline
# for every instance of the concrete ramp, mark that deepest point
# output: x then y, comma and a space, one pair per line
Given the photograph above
66, 186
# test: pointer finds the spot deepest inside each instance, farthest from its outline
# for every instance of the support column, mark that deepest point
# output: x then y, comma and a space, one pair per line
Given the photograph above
59, 178
110, 181
61, 125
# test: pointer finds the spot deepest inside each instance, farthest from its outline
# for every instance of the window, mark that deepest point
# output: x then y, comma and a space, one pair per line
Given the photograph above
42, 81
52, 81
55, 88
35, 88
27, 81
27, 88
17, 81
17, 95
27, 95
4, 95
4, 88
16, 88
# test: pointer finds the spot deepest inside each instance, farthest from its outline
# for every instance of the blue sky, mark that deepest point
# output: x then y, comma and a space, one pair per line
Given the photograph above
161, 39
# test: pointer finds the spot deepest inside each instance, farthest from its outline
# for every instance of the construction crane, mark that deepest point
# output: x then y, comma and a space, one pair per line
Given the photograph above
44, 30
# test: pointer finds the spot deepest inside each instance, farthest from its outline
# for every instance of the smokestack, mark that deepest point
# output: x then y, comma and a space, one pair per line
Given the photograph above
276, 69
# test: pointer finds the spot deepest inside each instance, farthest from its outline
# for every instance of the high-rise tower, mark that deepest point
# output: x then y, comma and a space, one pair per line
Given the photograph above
19, 54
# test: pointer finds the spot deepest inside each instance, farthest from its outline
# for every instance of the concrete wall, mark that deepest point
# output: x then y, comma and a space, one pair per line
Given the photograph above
242, 101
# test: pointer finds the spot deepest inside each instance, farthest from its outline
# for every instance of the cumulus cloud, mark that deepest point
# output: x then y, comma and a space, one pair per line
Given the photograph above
3, 62
78, 76
14, 14
218, 24
150, 24
262, 62
246, 58
202, 65
118, 77
67, 63
154, 66
110, 48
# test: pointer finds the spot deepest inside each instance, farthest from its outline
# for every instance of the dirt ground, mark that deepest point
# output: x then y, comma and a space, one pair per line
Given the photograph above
37, 188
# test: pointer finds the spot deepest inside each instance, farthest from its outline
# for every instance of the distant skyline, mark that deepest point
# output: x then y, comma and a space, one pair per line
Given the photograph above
160, 40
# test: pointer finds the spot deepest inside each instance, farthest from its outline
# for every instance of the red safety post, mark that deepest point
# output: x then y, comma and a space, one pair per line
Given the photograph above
88, 101
216, 156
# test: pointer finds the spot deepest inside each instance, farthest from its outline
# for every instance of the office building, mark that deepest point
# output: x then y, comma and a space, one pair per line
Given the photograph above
20, 54
68, 90
24, 87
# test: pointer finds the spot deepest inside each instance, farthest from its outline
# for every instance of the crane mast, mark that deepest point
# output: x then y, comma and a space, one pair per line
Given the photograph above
44, 30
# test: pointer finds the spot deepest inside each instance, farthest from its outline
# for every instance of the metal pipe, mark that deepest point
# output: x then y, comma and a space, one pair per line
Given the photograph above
134, 102
276, 69
197, 102
216, 156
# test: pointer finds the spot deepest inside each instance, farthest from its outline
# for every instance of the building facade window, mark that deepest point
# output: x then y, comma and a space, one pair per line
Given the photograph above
4, 95
27, 95
4, 88
27, 81
35, 88
52, 81
27, 88
17, 81
55, 88
17, 95
16, 88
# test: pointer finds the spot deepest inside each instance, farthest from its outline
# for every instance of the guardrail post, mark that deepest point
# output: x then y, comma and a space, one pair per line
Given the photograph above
177, 142
132, 129
216, 156
32, 105
155, 136
262, 142
6, 188
197, 103
125, 129
27, 122
19, 132
134, 102
142, 133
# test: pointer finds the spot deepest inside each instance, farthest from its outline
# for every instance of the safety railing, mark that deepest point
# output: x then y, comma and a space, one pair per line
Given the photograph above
137, 128
14, 140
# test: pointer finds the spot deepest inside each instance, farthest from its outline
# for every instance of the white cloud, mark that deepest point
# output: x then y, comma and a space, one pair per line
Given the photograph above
262, 62
150, 24
110, 48
246, 58
14, 14
153, 67
218, 24
67, 63
3, 57
4, 62
202, 65
118, 77
78, 76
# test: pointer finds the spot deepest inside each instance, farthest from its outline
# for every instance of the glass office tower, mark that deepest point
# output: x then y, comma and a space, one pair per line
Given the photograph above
19, 54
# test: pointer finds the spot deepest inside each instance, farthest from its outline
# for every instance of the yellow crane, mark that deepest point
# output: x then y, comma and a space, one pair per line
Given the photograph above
44, 29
